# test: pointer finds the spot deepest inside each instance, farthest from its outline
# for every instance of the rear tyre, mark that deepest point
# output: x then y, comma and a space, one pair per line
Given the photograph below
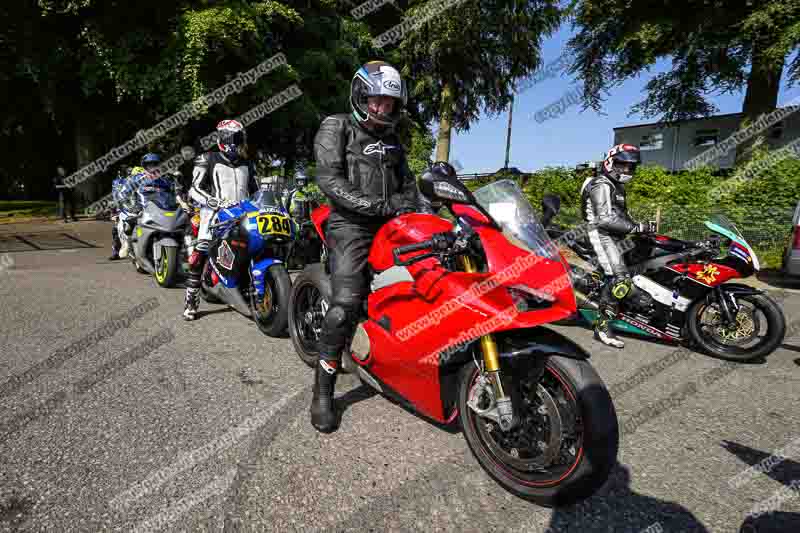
167, 267
308, 303
565, 447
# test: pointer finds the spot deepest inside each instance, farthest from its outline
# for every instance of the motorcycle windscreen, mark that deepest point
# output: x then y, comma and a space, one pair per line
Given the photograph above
725, 227
524, 258
163, 200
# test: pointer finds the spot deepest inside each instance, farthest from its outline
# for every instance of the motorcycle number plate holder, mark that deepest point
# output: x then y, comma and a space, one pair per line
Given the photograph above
273, 224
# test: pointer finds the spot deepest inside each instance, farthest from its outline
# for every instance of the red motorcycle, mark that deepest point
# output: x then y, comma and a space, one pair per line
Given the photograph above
452, 328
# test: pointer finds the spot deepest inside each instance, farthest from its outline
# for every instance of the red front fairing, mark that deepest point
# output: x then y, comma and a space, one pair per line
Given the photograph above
710, 275
407, 360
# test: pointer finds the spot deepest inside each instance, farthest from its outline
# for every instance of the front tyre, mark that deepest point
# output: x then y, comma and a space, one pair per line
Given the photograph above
270, 311
759, 328
167, 267
566, 444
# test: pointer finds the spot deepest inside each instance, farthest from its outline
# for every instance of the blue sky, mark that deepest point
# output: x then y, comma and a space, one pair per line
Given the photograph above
571, 138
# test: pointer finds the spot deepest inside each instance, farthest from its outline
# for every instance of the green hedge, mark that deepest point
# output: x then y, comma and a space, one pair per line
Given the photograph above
760, 205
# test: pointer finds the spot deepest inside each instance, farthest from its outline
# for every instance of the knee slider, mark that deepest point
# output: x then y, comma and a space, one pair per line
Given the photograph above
337, 317
621, 288
196, 259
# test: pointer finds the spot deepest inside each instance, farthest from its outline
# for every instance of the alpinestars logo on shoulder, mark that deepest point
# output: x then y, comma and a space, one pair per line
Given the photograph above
378, 148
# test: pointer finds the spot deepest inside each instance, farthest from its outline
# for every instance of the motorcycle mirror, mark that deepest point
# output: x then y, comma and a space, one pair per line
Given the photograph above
445, 189
550, 206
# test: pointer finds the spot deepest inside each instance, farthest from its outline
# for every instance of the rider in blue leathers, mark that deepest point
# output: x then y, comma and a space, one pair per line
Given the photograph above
116, 190
134, 192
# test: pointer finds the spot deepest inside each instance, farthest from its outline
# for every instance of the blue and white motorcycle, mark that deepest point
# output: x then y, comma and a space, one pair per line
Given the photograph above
246, 261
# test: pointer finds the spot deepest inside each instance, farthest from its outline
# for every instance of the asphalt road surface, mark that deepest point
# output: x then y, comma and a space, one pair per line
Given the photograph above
116, 415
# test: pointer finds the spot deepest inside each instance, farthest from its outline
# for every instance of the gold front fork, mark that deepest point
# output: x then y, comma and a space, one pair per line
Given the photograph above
491, 356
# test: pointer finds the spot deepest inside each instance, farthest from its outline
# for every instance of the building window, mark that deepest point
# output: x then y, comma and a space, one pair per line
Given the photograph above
654, 141
706, 138
776, 131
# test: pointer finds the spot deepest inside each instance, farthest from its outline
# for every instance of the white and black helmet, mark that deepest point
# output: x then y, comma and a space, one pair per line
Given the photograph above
621, 162
377, 78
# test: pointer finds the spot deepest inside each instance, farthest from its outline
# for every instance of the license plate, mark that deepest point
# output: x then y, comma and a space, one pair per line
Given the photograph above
273, 225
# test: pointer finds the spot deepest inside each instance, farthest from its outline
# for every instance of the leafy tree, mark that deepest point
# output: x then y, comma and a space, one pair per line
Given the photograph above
715, 46
466, 59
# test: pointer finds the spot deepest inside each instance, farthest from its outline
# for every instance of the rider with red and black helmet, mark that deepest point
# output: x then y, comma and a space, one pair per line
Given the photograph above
219, 180
605, 212
362, 169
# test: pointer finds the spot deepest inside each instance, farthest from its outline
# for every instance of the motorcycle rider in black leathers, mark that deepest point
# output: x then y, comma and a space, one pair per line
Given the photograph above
606, 215
362, 169
219, 180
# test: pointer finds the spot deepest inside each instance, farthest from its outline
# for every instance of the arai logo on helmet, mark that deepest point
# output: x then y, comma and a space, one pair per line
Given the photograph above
392, 85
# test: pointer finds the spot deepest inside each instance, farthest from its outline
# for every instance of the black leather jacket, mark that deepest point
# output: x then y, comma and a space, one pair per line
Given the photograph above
365, 176
603, 206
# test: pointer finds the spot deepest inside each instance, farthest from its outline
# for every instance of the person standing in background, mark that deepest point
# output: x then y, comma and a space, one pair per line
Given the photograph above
65, 195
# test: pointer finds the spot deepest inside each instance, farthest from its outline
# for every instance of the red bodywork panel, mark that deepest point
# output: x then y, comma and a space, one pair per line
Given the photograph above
318, 217
424, 317
402, 231
710, 275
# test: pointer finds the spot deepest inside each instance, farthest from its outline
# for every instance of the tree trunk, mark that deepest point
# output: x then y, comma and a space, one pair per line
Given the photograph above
445, 125
84, 154
763, 86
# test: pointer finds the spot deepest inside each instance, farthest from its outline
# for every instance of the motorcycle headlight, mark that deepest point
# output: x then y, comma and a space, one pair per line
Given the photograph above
527, 299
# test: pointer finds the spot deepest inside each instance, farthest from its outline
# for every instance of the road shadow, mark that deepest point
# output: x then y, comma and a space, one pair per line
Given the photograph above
352, 397
364, 392
776, 278
774, 522
616, 507
201, 314
784, 472
791, 347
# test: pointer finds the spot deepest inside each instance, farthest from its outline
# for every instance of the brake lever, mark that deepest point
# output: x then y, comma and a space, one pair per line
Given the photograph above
418, 258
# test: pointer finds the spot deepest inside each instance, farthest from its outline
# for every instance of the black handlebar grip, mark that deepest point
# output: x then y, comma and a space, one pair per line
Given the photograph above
408, 249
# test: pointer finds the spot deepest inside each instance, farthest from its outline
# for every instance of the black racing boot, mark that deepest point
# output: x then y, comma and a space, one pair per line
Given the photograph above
323, 409
191, 303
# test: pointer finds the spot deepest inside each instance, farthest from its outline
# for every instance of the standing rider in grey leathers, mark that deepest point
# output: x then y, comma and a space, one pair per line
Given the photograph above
605, 212
219, 180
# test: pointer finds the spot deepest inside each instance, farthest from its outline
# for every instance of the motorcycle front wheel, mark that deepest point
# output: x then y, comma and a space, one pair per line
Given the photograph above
758, 330
271, 311
565, 445
167, 267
